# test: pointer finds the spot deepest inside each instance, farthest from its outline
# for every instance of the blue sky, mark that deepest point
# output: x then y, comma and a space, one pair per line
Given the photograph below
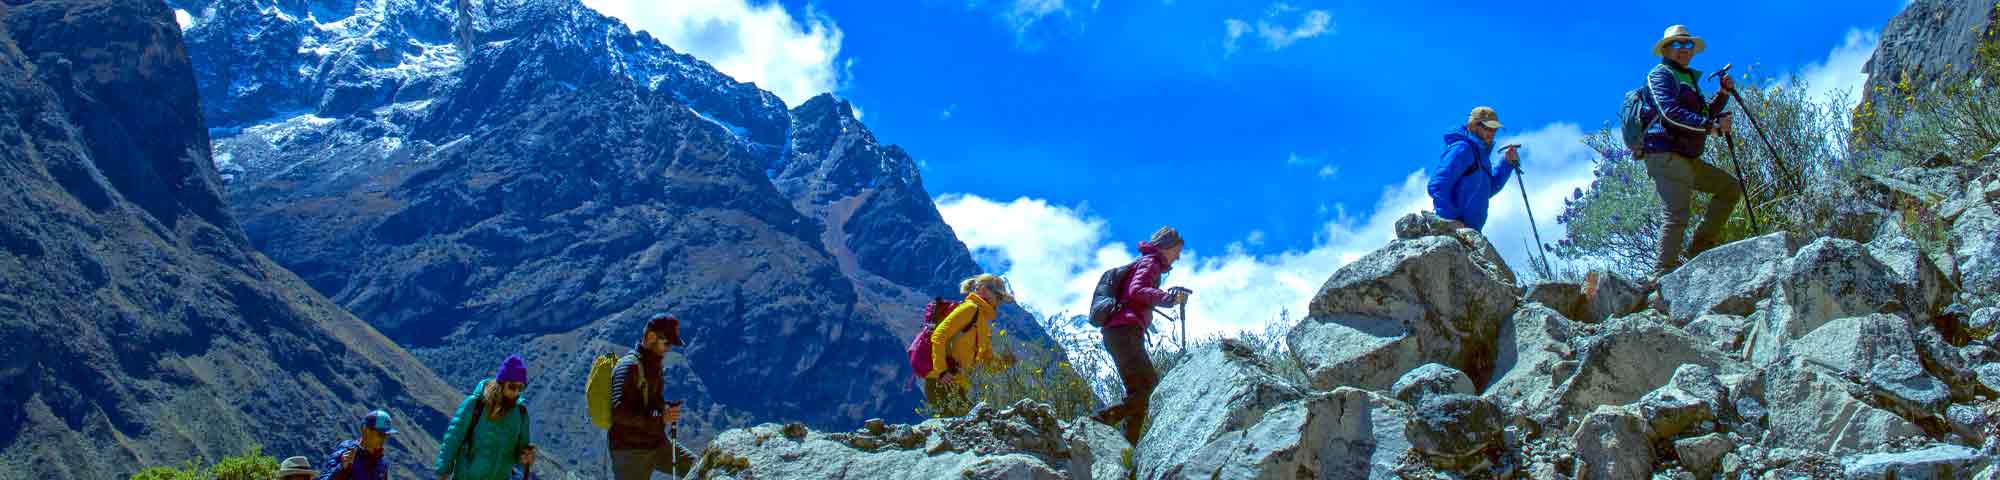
1281, 138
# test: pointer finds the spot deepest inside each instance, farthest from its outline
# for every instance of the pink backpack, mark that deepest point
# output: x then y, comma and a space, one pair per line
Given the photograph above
920, 347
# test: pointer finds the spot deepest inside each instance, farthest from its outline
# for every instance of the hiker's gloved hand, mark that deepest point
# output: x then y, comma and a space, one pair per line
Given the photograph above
1728, 84
672, 415
1722, 124
1513, 156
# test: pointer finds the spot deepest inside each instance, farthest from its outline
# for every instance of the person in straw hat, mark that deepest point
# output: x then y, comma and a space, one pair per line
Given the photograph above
1674, 142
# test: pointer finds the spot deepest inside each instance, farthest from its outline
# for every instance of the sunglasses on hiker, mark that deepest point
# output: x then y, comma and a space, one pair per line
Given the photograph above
513, 386
1681, 44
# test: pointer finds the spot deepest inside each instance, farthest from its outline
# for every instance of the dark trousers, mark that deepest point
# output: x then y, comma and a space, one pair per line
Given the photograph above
1677, 178
1127, 346
669, 459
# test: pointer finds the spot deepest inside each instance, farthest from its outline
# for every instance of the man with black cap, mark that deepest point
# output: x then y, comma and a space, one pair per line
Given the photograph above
361, 458
640, 412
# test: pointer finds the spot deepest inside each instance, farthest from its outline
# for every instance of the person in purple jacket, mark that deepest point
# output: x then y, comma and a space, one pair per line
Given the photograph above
1125, 332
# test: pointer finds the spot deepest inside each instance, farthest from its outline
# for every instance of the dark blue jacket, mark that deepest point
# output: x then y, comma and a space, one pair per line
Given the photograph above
365, 467
1683, 116
1465, 178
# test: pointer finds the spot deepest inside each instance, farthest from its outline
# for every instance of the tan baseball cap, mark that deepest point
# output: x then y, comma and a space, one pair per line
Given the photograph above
1484, 116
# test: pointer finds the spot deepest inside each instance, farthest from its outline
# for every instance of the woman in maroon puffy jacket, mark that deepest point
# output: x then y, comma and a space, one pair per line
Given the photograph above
1125, 332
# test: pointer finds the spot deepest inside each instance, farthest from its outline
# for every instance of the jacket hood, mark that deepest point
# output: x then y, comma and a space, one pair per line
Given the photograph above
1461, 134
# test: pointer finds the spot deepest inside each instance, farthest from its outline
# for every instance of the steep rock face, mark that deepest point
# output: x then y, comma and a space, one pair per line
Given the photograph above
1927, 36
139, 326
530, 176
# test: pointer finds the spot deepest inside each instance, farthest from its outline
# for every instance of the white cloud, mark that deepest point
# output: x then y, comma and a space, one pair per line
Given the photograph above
1556, 164
1276, 29
182, 17
762, 44
948, 111
1295, 159
1233, 30
1329, 172
1028, 17
1054, 254
1841, 71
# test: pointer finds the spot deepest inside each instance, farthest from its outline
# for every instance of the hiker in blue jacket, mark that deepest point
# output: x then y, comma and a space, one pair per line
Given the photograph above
1465, 177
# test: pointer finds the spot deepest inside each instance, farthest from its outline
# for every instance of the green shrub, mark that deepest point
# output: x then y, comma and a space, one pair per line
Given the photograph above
1950, 111
251, 466
1032, 371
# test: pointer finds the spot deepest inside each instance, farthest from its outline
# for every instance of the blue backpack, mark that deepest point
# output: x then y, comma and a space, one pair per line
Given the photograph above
1636, 116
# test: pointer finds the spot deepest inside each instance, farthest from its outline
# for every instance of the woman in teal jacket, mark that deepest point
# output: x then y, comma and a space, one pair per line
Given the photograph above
489, 434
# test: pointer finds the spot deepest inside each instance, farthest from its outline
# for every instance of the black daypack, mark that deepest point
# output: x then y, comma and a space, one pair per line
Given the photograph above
1107, 301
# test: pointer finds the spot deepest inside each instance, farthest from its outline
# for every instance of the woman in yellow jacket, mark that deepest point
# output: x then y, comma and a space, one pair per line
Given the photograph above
964, 341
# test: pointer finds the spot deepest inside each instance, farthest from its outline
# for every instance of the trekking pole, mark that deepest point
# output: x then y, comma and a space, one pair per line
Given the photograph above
1183, 326
1745, 107
1523, 185
1749, 205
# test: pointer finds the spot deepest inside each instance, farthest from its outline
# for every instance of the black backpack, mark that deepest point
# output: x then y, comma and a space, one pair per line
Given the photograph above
1105, 302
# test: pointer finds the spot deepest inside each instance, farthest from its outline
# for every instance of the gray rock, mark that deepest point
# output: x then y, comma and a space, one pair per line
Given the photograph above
1412, 302
1455, 427
1989, 376
1828, 279
1346, 433
1939, 461
1214, 396
1929, 290
1693, 397
1430, 379
875, 425
1810, 408
1728, 279
1969, 421
1726, 332
1984, 319
773, 451
1609, 294
1902, 385
1975, 238
1096, 451
1564, 297
1924, 37
1612, 443
1853, 346
1703, 455
1632, 358
1532, 342
1428, 224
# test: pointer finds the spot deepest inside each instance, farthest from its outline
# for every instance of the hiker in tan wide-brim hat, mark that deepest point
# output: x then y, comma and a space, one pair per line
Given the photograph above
1677, 32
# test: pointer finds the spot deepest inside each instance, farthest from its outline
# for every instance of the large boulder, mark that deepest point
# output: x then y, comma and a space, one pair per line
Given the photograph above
1430, 379
1727, 279
1633, 357
1452, 430
1811, 407
1854, 345
1346, 433
1022, 442
1566, 298
1827, 280
1692, 399
1703, 455
1413, 302
1975, 239
1532, 343
1929, 290
1096, 451
1613, 444
1608, 294
1900, 384
1938, 461
1428, 224
1220, 390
